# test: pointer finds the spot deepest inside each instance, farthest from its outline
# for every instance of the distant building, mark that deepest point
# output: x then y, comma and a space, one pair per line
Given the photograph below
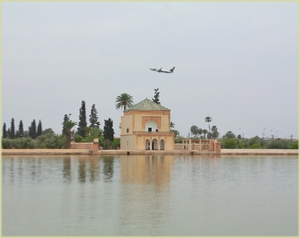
146, 126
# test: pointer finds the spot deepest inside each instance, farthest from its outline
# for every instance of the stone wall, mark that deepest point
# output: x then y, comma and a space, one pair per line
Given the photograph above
200, 145
94, 146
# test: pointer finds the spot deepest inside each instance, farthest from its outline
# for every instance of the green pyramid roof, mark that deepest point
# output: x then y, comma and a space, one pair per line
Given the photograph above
147, 105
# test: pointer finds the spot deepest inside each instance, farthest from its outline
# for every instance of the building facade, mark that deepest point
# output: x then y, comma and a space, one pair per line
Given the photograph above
146, 126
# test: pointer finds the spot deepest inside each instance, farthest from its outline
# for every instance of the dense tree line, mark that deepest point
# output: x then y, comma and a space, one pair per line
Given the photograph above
36, 137
231, 141
11, 133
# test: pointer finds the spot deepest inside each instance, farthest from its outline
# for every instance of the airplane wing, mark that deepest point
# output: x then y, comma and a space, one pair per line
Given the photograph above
153, 69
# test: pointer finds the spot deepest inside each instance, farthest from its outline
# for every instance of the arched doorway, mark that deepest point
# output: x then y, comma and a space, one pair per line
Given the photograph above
154, 144
162, 144
147, 145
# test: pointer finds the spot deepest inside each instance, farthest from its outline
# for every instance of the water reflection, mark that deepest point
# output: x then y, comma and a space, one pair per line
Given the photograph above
108, 168
82, 170
67, 169
149, 195
88, 168
146, 169
145, 194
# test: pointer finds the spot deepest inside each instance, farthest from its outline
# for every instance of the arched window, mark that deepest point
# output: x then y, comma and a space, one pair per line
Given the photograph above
151, 126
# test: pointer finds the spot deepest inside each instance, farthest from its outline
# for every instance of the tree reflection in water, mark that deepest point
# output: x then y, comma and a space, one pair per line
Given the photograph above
67, 169
82, 170
108, 168
88, 167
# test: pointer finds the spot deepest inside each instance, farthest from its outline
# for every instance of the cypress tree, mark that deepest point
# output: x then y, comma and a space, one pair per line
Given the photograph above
94, 118
66, 118
39, 129
32, 130
82, 120
8, 133
12, 129
108, 131
21, 129
4, 132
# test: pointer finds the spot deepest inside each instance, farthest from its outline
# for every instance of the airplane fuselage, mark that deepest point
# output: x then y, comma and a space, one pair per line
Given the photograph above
161, 70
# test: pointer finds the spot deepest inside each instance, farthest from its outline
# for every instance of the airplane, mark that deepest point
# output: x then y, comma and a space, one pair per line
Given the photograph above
163, 71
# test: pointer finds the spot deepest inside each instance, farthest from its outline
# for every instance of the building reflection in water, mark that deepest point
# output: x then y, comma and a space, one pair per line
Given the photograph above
145, 193
146, 168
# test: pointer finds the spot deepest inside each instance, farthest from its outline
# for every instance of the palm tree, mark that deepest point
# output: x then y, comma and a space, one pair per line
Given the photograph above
124, 100
68, 125
215, 132
208, 119
194, 130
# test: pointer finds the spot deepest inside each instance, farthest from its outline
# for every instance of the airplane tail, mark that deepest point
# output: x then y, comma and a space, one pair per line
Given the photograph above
172, 69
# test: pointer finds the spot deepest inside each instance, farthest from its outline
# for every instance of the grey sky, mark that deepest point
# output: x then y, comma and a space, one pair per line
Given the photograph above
235, 62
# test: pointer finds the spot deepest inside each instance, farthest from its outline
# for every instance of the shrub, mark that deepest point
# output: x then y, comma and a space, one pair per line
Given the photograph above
6, 143
78, 138
230, 144
294, 145
178, 139
107, 144
116, 143
277, 144
255, 146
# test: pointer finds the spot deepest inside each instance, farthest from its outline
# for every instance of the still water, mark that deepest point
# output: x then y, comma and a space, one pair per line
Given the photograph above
149, 195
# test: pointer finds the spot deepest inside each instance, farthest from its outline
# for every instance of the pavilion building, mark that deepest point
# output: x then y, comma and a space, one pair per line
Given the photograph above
146, 126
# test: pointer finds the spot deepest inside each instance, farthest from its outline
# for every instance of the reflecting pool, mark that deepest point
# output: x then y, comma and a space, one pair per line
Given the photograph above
149, 195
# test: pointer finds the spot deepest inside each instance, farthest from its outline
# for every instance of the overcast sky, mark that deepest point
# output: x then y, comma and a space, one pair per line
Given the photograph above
235, 62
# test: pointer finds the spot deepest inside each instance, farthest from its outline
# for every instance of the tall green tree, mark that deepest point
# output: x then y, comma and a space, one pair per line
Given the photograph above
229, 135
39, 129
32, 130
4, 132
8, 133
21, 129
208, 120
108, 131
124, 100
82, 120
194, 130
68, 125
214, 132
66, 118
12, 129
94, 123
156, 96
